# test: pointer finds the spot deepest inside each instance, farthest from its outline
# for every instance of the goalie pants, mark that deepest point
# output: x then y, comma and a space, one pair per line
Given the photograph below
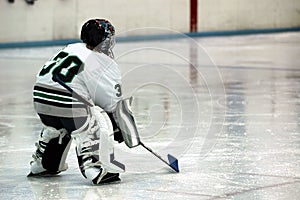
70, 124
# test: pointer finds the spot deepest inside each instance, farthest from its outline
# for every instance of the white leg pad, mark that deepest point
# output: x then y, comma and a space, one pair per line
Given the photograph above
98, 129
106, 140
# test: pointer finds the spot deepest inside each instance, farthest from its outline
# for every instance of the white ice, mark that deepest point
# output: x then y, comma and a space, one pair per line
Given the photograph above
227, 107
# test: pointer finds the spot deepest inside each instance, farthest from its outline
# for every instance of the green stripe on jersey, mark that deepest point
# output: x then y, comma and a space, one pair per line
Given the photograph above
38, 94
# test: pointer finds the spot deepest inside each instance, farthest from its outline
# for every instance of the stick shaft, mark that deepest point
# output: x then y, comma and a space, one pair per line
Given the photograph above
155, 154
75, 94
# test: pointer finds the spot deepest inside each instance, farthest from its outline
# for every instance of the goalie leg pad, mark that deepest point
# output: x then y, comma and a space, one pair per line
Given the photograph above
126, 122
94, 144
52, 149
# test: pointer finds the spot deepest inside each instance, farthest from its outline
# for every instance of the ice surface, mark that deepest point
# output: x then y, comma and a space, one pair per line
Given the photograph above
227, 107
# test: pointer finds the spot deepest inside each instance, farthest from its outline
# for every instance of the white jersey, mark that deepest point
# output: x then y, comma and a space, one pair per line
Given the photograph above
93, 75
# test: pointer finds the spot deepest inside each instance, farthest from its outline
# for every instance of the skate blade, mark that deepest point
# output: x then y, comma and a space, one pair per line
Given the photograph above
43, 174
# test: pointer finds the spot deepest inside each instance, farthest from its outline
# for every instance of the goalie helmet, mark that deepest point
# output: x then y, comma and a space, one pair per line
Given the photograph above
99, 34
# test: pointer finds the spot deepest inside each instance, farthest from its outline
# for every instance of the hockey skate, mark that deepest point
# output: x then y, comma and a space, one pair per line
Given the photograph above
37, 170
92, 170
107, 178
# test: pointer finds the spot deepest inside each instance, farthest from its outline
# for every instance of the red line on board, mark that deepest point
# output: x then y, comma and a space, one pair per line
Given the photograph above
193, 15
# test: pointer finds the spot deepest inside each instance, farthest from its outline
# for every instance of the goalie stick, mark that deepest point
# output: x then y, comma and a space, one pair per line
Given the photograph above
173, 162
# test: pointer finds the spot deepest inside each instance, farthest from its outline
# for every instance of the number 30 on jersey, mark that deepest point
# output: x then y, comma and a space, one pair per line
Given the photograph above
64, 65
67, 67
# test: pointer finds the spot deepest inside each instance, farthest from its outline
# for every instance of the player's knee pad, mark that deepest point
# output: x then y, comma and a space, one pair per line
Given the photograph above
52, 150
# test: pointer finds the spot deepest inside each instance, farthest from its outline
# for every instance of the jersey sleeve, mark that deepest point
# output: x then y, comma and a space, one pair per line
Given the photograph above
103, 81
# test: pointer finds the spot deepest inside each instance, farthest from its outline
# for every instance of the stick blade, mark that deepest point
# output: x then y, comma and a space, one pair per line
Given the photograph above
173, 162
